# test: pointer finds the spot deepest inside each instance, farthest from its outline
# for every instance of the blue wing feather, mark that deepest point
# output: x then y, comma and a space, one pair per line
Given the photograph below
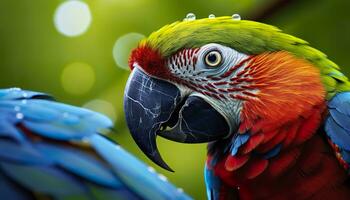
25, 153
213, 184
134, 173
8, 130
337, 124
40, 152
17, 93
341, 119
9, 190
43, 179
337, 133
102, 193
239, 140
81, 164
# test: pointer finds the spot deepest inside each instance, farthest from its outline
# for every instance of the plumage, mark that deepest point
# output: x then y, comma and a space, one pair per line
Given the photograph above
234, 162
287, 106
238, 141
212, 182
249, 37
252, 143
337, 127
52, 150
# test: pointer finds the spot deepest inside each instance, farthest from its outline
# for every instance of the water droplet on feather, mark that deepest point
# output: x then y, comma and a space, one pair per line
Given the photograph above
211, 16
190, 17
236, 17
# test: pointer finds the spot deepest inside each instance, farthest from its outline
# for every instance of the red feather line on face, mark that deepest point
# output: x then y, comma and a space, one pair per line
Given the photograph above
286, 110
184, 58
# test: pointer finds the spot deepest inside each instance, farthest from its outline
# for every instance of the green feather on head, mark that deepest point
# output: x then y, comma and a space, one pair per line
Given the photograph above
248, 37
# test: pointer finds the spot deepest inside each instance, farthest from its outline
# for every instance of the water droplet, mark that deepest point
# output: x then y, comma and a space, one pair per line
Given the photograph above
151, 169
211, 16
24, 101
236, 17
190, 17
25, 95
17, 108
19, 116
162, 177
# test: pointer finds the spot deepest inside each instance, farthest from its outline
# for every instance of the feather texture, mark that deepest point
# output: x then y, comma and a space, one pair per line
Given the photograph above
50, 149
337, 127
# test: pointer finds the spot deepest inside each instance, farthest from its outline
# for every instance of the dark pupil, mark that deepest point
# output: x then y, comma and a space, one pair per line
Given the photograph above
212, 57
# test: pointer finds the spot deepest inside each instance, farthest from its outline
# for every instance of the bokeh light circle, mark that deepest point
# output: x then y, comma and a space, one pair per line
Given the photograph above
72, 18
123, 47
103, 107
78, 78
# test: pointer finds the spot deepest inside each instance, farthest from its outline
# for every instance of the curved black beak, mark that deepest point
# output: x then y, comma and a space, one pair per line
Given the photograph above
155, 107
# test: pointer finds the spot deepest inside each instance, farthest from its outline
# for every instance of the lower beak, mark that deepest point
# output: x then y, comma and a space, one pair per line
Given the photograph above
155, 107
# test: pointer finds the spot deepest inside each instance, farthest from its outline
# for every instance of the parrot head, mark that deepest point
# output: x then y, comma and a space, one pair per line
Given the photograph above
210, 79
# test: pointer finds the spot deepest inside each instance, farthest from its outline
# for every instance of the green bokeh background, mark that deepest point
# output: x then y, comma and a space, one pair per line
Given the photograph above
33, 53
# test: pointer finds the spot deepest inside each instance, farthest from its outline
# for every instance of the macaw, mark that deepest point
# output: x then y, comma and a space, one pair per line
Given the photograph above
51, 150
274, 111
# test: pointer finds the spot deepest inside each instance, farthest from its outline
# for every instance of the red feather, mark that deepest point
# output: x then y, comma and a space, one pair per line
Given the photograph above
253, 142
308, 127
150, 60
310, 170
283, 111
283, 162
255, 168
269, 135
293, 129
273, 142
234, 162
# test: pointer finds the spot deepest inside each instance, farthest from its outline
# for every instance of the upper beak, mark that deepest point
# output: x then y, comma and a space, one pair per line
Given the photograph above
155, 107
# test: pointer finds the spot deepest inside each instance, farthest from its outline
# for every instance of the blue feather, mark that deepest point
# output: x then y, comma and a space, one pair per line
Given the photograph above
54, 120
9, 190
240, 140
341, 102
80, 164
25, 153
102, 193
337, 134
42, 179
40, 153
337, 125
17, 93
58, 131
213, 184
134, 173
8, 130
341, 119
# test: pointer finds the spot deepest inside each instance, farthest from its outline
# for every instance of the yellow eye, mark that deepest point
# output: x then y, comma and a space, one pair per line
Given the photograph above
213, 58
